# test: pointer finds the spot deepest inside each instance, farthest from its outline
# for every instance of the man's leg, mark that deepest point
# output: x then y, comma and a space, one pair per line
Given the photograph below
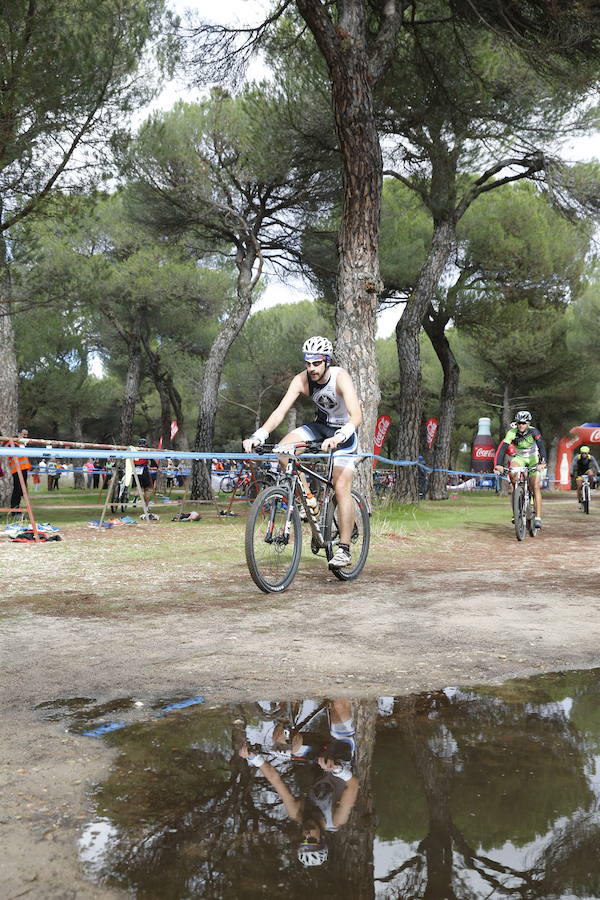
17, 493
535, 485
342, 482
578, 488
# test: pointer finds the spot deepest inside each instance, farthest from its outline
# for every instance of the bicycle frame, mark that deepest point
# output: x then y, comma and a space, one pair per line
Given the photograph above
297, 490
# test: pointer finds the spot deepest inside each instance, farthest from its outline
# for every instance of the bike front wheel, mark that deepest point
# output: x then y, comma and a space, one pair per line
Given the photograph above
359, 541
273, 541
531, 522
519, 511
585, 499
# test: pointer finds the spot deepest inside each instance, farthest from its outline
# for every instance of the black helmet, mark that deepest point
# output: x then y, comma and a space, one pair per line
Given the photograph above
142, 442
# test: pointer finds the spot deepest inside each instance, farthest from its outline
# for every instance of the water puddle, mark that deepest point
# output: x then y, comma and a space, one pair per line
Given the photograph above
460, 793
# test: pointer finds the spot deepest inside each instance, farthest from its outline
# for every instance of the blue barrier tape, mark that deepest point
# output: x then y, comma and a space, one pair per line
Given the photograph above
182, 704
104, 729
145, 453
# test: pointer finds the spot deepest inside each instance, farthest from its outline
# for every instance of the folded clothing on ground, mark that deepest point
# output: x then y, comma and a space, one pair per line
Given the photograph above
27, 536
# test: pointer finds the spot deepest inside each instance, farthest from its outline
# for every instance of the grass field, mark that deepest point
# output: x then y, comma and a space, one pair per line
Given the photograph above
465, 509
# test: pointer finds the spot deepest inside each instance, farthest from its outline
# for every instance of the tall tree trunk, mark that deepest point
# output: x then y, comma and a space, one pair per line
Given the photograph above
355, 64
9, 375
435, 325
131, 389
211, 379
77, 432
165, 412
180, 441
410, 405
160, 377
506, 404
359, 283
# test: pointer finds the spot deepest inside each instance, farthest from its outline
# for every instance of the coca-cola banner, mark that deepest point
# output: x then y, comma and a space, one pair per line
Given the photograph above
381, 429
174, 428
431, 427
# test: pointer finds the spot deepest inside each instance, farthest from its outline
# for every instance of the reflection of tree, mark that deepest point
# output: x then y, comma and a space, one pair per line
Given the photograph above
352, 858
447, 742
188, 811
570, 863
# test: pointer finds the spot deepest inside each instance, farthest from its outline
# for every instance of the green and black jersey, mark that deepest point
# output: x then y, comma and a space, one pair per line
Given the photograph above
529, 445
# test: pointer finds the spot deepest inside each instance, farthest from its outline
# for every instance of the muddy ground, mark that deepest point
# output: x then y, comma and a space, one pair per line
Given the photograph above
155, 614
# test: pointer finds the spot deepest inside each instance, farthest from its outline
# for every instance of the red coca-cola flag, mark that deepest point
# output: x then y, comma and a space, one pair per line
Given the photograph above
174, 428
431, 427
381, 429
159, 445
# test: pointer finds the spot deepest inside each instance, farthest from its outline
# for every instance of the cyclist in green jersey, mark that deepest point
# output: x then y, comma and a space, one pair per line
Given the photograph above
530, 451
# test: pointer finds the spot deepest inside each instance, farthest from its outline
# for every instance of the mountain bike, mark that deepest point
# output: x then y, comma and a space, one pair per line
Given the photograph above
523, 503
586, 494
274, 526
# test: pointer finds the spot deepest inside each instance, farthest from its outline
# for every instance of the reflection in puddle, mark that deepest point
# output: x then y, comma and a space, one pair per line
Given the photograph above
483, 792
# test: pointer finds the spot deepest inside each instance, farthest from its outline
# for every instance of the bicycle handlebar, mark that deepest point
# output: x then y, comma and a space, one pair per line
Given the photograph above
311, 446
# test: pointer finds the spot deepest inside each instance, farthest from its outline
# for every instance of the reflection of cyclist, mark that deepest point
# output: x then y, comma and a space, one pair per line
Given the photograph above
584, 464
328, 803
338, 418
530, 452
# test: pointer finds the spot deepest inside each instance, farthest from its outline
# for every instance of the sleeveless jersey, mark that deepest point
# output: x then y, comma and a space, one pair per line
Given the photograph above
325, 793
331, 409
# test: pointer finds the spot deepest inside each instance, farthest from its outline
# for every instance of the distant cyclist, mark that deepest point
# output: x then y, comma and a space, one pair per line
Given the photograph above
529, 450
584, 464
337, 420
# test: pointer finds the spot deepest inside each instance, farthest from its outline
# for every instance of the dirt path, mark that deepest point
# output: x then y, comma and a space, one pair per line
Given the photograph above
102, 616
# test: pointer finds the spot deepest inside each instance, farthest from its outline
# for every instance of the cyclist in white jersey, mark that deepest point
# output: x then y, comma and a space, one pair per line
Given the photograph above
336, 425
328, 804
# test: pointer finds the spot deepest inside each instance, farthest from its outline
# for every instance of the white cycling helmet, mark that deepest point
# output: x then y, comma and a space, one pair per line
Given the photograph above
318, 345
312, 857
523, 416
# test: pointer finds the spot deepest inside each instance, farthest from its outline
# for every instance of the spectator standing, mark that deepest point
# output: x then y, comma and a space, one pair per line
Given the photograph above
143, 467
15, 463
51, 469
88, 468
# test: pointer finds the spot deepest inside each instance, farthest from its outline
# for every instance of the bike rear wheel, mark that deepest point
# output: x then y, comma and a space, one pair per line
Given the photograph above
585, 498
518, 500
359, 542
272, 556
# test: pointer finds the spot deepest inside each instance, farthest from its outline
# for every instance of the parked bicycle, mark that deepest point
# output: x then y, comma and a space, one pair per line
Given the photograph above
246, 481
586, 493
274, 526
523, 503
